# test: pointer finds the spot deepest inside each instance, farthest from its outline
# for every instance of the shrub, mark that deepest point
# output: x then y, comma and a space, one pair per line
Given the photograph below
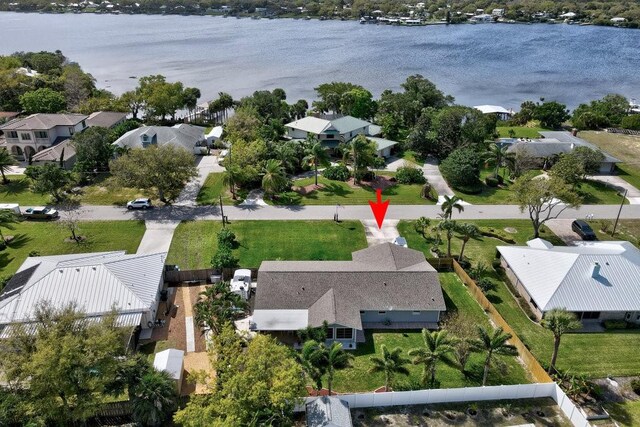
614, 324
461, 169
428, 192
491, 181
365, 175
496, 264
631, 122
410, 175
486, 285
635, 385
224, 259
226, 238
337, 173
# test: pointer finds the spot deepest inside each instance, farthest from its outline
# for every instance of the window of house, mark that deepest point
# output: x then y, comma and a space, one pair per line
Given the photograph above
382, 312
329, 333
415, 313
84, 125
25, 136
71, 130
12, 134
344, 333
41, 134
591, 315
533, 303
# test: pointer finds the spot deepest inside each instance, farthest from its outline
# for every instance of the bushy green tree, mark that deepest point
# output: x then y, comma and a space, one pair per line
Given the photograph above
461, 169
94, 150
606, 112
569, 168
551, 114
43, 100
49, 179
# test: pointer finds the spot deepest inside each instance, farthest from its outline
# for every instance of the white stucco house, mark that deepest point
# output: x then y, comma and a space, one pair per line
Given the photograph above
333, 131
596, 280
97, 282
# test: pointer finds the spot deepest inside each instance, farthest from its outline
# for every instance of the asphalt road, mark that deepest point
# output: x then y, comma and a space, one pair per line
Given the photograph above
358, 212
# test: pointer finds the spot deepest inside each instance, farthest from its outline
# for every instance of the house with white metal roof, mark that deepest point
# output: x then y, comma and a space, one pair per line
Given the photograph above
97, 283
333, 131
501, 112
596, 280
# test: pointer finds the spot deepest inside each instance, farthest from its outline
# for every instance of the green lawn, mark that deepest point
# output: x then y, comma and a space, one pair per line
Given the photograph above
194, 242
626, 413
48, 238
212, 190
338, 192
624, 147
521, 131
628, 229
594, 354
629, 173
458, 298
598, 193
17, 191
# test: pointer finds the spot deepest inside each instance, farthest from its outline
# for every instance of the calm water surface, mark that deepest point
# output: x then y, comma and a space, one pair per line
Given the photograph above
478, 64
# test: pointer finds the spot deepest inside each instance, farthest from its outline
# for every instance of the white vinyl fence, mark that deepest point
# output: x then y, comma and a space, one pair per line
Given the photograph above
468, 394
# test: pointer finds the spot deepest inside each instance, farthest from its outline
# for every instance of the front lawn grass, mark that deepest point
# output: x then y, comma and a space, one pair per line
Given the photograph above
595, 355
338, 192
357, 379
17, 191
195, 242
213, 188
628, 229
624, 147
630, 173
598, 193
48, 238
520, 131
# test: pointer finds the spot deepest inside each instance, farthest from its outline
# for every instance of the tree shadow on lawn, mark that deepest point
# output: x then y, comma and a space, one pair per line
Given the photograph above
5, 259
494, 299
332, 189
19, 241
15, 187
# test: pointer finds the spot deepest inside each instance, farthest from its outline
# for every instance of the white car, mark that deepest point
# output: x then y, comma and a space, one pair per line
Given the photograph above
400, 241
139, 204
241, 283
223, 154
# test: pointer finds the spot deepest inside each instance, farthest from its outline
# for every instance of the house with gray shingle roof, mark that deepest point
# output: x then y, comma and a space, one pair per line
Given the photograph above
328, 411
335, 130
383, 287
189, 137
596, 280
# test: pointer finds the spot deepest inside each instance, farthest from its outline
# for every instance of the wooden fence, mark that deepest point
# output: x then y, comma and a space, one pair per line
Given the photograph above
187, 276
537, 372
624, 131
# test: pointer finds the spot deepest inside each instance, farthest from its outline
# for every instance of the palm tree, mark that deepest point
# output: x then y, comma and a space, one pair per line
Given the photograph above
467, 232
492, 343
422, 224
449, 227
495, 155
7, 220
335, 358
153, 398
230, 177
390, 363
225, 103
6, 160
559, 321
437, 346
356, 151
274, 178
450, 203
218, 306
316, 155
309, 359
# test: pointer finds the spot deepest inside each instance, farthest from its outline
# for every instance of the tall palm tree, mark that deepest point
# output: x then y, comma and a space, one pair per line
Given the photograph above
438, 345
390, 363
450, 203
309, 358
492, 343
153, 398
317, 155
335, 358
218, 306
6, 160
225, 102
559, 321
274, 178
449, 227
356, 150
7, 220
467, 232
495, 155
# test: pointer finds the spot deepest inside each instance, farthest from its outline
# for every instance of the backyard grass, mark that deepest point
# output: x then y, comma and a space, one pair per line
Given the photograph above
338, 192
521, 131
595, 355
357, 378
194, 242
624, 147
48, 238
626, 413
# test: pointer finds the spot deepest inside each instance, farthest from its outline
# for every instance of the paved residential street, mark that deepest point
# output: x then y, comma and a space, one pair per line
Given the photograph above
357, 212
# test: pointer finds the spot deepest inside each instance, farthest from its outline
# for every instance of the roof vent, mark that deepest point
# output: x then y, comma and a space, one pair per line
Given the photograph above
61, 270
384, 283
596, 270
93, 268
77, 269
303, 288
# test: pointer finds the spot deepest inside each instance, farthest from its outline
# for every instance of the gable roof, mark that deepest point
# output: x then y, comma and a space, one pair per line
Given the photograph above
182, 135
105, 119
41, 121
385, 277
96, 282
563, 277
53, 153
317, 125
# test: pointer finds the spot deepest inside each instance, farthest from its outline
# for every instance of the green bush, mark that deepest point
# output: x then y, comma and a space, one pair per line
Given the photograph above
226, 238
410, 175
635, 385
631, 122
337, 173
491, 181
428, 192
496, 264
224, 259
614, 324
461, 169
365, 175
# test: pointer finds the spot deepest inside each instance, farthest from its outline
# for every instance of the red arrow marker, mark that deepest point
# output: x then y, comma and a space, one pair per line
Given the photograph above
379, 207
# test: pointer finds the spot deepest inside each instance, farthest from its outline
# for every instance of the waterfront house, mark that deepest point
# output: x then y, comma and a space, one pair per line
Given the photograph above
97, 282
25, 137
500, 112
333, 131
596, 280
482, 18
383, 287
106, 119
189, 137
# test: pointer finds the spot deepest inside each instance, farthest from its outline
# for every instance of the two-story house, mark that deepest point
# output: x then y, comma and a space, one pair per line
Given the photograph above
28, 136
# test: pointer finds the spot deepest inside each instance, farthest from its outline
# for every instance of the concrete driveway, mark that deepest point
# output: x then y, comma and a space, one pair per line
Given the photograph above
157, 237
205, 165
562, 229
633, 194
376, 235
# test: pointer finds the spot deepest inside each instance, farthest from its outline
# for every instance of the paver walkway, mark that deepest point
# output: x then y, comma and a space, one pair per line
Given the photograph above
157, 237
205, 165
633, 194
376, 235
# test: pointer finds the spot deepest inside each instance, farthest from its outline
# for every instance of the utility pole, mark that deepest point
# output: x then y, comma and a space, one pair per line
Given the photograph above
224, 218
624, 197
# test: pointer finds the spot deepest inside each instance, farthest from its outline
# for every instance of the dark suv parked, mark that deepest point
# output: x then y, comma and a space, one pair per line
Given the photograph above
583, 230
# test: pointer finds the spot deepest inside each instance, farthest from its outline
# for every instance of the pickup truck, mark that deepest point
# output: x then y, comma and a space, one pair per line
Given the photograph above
40, 212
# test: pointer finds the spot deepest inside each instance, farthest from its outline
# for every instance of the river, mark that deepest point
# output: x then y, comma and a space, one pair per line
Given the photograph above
478, 64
